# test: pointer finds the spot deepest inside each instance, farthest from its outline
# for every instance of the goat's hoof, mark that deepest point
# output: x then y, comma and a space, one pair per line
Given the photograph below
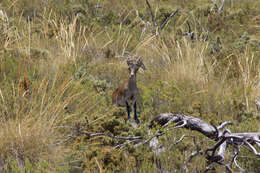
133, 123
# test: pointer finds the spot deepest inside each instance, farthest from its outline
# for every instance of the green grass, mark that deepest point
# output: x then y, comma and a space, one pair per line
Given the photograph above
60, 62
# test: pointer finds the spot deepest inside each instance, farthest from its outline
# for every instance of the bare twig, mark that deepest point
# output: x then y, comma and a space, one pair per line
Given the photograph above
215, 154
222, 150
222, 137
148, 140
181, 124
150, 9
241, 169
237, 150
224, 124
212, 157
179, 140
221, 6
183, 121
90, 135
257, 103
192, 155
252, 148
167, 19
64, 141
124, 144
198, 150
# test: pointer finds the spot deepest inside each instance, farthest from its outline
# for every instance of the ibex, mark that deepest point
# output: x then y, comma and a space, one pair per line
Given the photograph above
126, 94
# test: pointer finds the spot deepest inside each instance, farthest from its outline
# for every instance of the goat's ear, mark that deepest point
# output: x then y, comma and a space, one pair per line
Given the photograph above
140, 63
139, 60
129, 61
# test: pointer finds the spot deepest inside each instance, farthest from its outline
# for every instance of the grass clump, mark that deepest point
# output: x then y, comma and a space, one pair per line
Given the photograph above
60, 62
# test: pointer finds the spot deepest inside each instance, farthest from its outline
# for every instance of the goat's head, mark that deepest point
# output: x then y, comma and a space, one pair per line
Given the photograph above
134, 67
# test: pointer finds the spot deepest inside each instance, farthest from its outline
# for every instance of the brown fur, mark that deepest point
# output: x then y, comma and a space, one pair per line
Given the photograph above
125, 92
118, 94
128, 90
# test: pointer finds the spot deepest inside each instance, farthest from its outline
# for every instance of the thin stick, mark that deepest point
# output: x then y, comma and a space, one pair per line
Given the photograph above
167, 19
150, 9
221, 7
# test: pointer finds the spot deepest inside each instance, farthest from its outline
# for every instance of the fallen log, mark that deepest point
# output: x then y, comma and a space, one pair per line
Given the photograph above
224, 138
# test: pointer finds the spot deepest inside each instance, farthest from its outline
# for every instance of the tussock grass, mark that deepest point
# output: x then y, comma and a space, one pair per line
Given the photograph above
60, 62
28, 139
29, 117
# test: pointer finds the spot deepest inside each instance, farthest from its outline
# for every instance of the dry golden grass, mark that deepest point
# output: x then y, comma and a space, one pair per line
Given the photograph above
28, 126
57, 70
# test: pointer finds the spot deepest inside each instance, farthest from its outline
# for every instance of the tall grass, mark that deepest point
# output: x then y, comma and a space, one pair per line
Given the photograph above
58, 71
28, 118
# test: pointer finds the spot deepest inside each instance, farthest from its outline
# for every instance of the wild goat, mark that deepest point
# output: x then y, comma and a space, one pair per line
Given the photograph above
126, 94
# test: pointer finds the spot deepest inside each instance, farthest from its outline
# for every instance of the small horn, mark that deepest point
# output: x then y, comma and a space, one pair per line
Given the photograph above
140, 63
129, 61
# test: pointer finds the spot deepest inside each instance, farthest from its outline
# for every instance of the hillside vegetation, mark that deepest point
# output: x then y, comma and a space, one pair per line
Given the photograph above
61, 60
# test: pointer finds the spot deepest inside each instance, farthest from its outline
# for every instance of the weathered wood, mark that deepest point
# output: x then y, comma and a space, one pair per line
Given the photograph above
224, 138
188, 122
221, 6
257, 103
214, 154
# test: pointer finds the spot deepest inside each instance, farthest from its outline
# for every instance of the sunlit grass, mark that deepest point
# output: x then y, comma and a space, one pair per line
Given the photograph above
60, 62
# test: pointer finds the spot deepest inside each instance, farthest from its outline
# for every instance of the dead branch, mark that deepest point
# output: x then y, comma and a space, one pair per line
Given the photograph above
216, 158
221, 6
184, 121
233, 160
150, 139
179, 140
212, 132
257, 103
240, 138
64, 141
224, 124
124, 144
91, 135
224, 138
198, 150
215, 154
167, 19
150, 9
252, 148
194, 154
78, 132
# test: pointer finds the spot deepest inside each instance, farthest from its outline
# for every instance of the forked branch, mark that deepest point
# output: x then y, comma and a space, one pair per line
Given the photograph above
214, 154
224, 138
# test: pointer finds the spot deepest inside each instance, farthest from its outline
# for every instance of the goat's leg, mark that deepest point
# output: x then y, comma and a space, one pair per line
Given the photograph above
128, 109
135, 115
